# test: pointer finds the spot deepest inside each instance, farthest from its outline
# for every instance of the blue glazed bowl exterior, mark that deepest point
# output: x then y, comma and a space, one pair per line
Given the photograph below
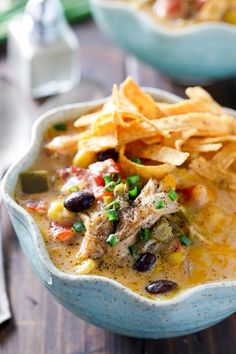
102, 301
197, 53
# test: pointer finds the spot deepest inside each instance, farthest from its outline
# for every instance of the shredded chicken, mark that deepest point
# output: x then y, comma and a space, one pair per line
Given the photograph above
98, 227
142, 214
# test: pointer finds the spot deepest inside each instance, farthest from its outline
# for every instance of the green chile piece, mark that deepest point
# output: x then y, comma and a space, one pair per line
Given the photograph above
34, 182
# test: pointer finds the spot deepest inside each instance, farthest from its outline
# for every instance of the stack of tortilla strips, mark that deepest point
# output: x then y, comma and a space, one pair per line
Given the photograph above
196, 133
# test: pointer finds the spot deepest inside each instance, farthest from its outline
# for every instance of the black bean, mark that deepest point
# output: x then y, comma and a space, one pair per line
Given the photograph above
144, 262
79, 201
108, 154
160, 287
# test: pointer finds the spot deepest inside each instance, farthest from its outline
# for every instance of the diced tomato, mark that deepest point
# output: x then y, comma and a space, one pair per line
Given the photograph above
173, 7
70, 171
176, 245
64, 172
100, 193
199, 3
93, 176
75, 170
186, 192
39, 206
61, 233
99, 180
101, 168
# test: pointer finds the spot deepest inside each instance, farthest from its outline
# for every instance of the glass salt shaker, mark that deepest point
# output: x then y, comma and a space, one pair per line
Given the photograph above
43, 51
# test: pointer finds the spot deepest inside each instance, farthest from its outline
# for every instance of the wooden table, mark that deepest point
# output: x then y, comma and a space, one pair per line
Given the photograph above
39, 324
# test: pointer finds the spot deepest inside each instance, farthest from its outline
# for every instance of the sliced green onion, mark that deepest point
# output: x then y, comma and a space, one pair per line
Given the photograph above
116, 178
112, 215
172, 195
185, 240
78, 226
61, 127
110, 187
160, 204
111, 182
133, 250
133, 180
144, 235
107, 179
112, 240
113, 205
136, 160
73, 189
134, 192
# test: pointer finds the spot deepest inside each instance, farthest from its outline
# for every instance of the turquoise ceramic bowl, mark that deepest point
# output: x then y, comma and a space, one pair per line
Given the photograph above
99, 300
197, 53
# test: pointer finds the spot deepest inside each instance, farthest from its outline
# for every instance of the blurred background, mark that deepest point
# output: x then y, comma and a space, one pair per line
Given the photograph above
53, 53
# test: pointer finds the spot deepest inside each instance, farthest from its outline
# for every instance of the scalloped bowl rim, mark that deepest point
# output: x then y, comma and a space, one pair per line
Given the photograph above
38, 240
185, 30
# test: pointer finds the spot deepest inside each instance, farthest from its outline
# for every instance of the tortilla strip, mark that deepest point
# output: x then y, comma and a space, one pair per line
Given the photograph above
202, 147
146, 172
184, 137
208, 144
152, 140
145, 103
159, 153
138, 117
226, 157
104, 124
164, 133
186, 106
206, 124
102, 136
86, 120
214, 173
94, 144
199, 93
217, 139
63, 144
122, 103
137, 130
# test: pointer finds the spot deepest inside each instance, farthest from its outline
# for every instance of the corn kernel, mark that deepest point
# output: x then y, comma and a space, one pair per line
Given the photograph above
168, 182
230, 17
176, 258
86, 266
108, 199
157, 270
58, 213
84, 158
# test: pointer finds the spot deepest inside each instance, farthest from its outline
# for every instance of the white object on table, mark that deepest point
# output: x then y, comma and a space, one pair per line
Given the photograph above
43, 51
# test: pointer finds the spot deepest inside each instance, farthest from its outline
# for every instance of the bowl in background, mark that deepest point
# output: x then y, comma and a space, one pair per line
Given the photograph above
99, 300
201, 52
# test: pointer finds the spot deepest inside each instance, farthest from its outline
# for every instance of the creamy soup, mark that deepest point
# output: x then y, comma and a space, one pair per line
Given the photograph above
140, 192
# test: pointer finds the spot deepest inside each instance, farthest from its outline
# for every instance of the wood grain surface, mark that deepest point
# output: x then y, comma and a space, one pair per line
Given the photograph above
39, 324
